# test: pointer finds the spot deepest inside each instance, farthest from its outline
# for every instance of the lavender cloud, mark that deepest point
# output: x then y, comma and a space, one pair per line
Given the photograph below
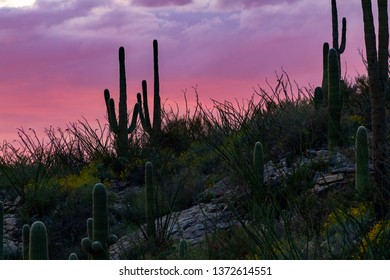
161, 3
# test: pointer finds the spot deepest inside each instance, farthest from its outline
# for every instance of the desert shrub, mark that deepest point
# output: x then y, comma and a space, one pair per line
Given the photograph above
375, 244
88, 176
343, 229
67, 224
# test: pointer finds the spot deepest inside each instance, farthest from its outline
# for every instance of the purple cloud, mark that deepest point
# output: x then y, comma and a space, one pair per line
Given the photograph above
247, 4
161, 3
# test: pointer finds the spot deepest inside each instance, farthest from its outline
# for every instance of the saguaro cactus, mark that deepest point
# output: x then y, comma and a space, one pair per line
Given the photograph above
361, 153
73, 256
318, 98
378, 69
150, 205
334, 102
97, 247
183, 249
26, 241
38, 249
89, 233
119, 127
335, 33
325, 80
154, 129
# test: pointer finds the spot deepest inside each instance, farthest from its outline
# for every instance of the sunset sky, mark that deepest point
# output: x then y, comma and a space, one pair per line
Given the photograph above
57, 57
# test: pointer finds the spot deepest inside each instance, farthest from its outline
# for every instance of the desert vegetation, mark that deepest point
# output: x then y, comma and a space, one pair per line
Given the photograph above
299, 172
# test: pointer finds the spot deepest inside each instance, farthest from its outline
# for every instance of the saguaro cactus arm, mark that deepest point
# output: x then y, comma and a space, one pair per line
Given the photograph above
335, 30
325, 53
335, 33
318, 98
155, 128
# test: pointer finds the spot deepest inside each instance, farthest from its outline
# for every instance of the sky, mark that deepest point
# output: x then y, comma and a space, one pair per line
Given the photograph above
57, 57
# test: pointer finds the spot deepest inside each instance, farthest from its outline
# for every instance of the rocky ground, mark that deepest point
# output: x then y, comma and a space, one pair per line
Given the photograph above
194, 223
213, 211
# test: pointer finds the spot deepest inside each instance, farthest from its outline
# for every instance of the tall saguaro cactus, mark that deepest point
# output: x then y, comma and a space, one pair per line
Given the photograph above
335, 33
334, 102
119, 127
150, 205
361, 152
152, 129
38, 249
97, 246
378, 68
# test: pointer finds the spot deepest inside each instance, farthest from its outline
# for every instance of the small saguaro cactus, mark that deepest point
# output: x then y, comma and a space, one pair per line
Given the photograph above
26, 241
318, 98
258, 189
335, 33
154, 129
150, 206
334, 102
361, 153
325, 53
38, 249
119, 127
183, 249
73, 256
89, 232
98, 245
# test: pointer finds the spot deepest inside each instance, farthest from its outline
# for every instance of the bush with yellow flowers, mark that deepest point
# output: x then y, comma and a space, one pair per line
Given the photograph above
376, 243
343, 229
88, 176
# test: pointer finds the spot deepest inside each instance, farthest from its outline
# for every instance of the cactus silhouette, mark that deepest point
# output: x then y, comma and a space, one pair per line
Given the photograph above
26, 241
38, 244
318, 98
361, 153
334, 101
377, 54
325, 80
150, 206
120, 127
335, 33
97, 246
154, 129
